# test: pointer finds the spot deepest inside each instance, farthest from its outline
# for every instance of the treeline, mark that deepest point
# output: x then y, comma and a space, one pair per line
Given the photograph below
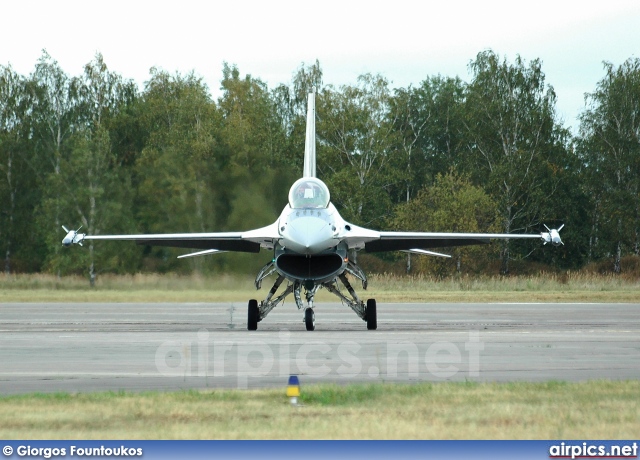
489, 154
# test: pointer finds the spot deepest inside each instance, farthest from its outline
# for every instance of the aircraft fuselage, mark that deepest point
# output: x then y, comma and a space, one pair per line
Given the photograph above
310, 247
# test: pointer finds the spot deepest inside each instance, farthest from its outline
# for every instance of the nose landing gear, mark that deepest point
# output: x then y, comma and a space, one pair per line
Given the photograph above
309, 319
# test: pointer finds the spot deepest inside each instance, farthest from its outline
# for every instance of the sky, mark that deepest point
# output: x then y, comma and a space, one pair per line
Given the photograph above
405, 41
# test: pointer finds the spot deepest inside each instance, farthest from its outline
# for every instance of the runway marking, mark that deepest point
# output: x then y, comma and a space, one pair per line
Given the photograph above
564, 303
6, 375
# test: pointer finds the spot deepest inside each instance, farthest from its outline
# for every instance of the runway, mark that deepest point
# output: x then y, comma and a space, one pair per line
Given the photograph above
134, 347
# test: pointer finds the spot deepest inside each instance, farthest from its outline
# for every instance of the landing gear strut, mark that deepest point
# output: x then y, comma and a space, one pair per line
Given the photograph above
257, 312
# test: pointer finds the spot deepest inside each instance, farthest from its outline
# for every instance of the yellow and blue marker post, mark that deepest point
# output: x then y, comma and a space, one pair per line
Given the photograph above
293, 389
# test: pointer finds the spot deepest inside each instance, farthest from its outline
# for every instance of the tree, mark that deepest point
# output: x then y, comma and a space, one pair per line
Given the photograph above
513, 140
428, 119
55, 111
291, 110
96, 194
609, 144
12, 117
292, 100
451, 204
87, 185
262, 166
53, 115
180, 171
356, 139
252, 126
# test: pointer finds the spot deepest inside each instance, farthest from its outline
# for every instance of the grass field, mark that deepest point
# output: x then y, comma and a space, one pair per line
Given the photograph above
567, 287
552, 410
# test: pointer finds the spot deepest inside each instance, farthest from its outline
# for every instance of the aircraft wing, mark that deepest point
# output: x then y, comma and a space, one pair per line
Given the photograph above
400, 241
249, 241
375, 241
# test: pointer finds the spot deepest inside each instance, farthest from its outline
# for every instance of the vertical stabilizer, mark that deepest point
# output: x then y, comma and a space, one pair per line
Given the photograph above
310, 141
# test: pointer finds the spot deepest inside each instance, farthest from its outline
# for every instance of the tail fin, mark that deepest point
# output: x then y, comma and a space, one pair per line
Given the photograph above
310, 142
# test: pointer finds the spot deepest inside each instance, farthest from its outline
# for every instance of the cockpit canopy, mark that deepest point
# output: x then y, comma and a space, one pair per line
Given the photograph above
309, 192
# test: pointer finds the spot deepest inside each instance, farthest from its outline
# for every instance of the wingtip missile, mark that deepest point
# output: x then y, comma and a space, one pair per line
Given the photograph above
552, 236
72, 237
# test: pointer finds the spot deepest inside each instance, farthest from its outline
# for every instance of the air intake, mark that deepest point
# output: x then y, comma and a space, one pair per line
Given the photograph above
318, 268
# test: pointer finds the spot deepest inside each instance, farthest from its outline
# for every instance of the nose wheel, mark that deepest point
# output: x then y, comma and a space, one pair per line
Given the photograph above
309, 319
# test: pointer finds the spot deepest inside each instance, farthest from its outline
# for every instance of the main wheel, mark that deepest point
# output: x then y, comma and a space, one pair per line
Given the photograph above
253, 315
310, 319
372, 315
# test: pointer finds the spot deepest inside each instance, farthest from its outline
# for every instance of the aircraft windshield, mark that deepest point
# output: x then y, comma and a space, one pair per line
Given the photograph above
309, 192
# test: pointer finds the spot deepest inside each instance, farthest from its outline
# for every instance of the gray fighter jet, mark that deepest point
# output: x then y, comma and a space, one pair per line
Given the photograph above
312, 245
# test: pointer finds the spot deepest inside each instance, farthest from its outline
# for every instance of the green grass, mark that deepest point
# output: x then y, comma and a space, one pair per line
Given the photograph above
551, 410
566, 287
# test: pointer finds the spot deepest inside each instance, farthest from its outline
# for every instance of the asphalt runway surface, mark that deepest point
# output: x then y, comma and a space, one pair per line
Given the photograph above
171, 346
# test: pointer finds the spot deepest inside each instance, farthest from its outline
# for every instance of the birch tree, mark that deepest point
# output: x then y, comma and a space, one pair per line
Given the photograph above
87, 186
512, 138
357, 138
610, 148
12, 96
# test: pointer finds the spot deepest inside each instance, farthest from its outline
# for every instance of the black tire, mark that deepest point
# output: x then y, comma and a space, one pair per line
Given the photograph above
310, 319
253, 315
372, 315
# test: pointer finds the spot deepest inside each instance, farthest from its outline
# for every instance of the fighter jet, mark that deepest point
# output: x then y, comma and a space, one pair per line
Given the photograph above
312, 245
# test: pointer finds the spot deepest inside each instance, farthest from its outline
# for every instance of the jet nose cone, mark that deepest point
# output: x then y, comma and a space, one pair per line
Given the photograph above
307, 235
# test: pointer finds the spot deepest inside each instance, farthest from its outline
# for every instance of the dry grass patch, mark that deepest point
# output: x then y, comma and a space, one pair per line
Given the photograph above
552, 410
568, 287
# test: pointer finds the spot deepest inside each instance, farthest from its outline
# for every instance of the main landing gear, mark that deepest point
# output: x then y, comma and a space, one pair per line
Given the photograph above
371, 315
257, 312
254, 315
